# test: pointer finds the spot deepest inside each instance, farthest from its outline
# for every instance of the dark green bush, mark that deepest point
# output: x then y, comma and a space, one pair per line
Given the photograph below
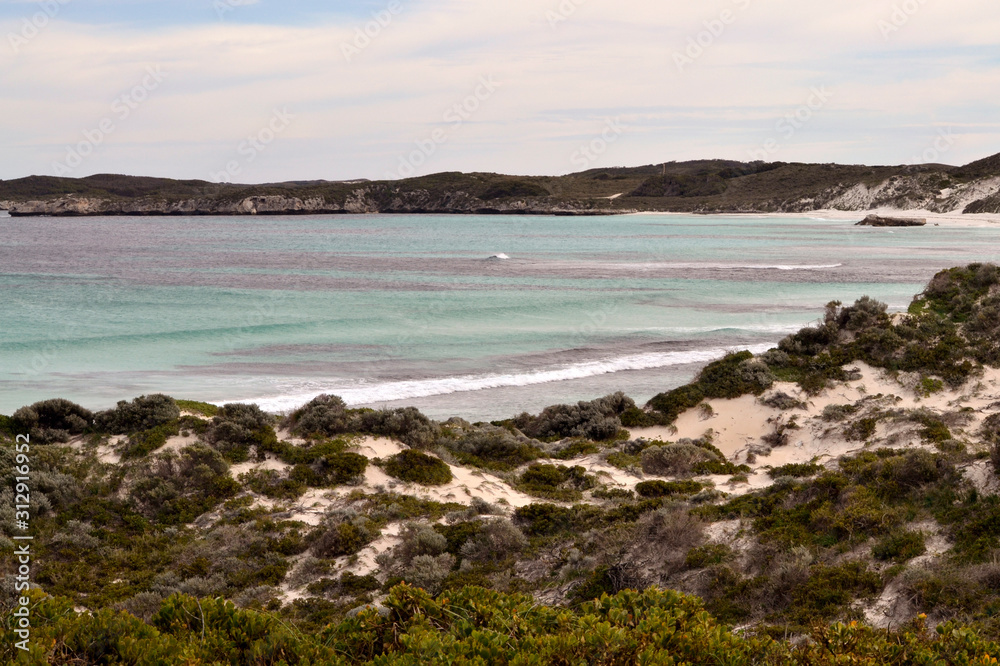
143, 413
145, 442
239, 428
597, 420
493, 447
553, 482
796, 470
708, 555
323, 416
416, 467
900, 546
177, 488
667, 488
195, 407
52, 421
343, 536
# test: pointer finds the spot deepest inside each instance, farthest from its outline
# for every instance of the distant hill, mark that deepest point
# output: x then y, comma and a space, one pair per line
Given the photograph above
703, 186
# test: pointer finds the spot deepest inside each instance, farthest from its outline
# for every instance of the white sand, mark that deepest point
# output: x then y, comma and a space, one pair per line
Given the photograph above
736, 426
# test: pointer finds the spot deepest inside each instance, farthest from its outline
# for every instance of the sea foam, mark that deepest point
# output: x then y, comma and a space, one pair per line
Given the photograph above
369, 394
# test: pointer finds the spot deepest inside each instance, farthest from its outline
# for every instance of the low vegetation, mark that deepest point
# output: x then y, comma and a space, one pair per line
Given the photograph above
174, 532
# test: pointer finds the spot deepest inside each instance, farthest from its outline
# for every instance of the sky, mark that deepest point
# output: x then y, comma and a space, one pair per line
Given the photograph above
261, 91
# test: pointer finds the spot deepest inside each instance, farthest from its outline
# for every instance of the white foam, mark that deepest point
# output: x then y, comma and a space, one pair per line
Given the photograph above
368, 394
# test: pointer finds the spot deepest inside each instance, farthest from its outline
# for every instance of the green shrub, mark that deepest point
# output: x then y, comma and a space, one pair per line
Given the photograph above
614, 494
667, 488
624, 460
796, 470
143, 443
678, 459
708, 555
239, 428
597, 420
176, 488
270, 483
52, 421
495, 541
416, 467
544, 519
343, 536
323, 416
492, 447
900, 546
553, 482
195, 407
142, 414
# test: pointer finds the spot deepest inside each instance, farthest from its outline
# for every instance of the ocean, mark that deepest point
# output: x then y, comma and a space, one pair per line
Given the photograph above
481, 317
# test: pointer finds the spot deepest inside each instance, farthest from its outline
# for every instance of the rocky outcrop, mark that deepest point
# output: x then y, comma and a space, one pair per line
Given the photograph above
879, 221
374, 199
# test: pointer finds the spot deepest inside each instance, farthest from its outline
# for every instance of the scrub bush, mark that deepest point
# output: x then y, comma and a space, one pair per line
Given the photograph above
416, 467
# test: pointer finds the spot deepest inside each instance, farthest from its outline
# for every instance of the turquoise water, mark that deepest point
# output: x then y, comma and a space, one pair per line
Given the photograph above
391, 310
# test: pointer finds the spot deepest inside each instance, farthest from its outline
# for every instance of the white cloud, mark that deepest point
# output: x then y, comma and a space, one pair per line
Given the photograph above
559, 85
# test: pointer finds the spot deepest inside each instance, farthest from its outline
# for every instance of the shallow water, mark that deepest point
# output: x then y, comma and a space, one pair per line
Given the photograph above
390, 310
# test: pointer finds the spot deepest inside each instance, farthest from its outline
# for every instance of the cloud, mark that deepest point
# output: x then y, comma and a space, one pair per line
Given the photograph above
564, 68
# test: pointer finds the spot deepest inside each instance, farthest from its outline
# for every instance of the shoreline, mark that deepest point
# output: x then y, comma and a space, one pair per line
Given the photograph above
952, 219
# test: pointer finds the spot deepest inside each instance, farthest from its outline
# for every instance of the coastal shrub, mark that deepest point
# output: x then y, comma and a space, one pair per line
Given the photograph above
795, 470
405, 424
342, 468
614, 494
782, 401
900, 546
708, 555
239, 428
143, 413
273, 484
667, 488
52, 421
668, 534
678, 459
861, 430
732, 376
196, 407
175, 488
428, 572
544, 519
343, 534
838, 412
493, 447
596, 420
553, 482
416, 467
143, 443
418, 540
323, 416
496, 540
